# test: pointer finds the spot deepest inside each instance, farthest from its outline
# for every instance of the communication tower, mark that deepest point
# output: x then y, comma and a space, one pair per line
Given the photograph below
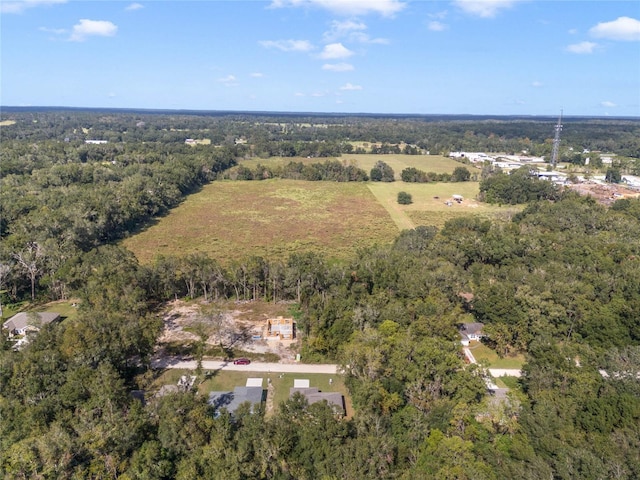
556, 142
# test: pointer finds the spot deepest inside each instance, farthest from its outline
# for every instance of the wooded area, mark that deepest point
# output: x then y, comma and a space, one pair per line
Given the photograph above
559, 282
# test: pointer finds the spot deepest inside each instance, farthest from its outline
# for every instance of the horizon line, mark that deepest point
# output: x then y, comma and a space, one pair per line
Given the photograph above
301, 113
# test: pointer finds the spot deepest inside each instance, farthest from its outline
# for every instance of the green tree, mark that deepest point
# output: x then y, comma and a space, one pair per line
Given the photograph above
382, 172
404, 198
613, 175
460, 174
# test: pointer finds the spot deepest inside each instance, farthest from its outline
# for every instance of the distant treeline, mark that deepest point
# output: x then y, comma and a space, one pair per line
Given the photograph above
273, 134
330, 170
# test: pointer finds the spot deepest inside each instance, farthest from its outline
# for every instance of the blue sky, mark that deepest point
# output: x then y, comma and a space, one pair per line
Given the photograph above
496, 57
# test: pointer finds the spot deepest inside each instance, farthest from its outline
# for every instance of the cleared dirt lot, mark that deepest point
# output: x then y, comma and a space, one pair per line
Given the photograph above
233, 324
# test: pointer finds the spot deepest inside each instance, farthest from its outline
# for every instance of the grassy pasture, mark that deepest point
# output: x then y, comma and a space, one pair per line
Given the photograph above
429, 203
232, 220
272, 218
426, 163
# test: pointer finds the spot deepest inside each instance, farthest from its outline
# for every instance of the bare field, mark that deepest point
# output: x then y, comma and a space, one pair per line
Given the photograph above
230, 220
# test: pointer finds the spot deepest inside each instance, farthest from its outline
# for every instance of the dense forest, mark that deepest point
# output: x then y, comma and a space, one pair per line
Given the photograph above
559, 282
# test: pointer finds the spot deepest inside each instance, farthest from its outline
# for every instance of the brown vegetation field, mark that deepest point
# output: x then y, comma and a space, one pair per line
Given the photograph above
273, 218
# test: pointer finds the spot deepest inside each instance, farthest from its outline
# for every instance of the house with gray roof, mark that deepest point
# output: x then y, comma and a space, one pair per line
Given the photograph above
470, 331
334, 399
232, 400
24, 322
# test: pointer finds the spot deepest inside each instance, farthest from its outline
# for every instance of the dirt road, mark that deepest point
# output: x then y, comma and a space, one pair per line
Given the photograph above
252, 367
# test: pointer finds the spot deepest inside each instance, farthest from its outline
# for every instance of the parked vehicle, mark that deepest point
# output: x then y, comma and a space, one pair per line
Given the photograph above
241, 361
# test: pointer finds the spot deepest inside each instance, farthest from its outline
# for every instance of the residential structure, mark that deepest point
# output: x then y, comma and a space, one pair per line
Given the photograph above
252, 393
334, 399
24, 322
280, 328
470, 331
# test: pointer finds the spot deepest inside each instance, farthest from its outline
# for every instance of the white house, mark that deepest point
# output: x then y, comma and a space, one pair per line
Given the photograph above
470, 331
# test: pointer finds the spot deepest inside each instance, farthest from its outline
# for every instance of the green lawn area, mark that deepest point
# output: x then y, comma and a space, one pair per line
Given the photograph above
64, 307
282, 382
482, 352
511, 383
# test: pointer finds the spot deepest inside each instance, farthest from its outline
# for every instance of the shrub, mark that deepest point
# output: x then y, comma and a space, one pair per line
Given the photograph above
404, 198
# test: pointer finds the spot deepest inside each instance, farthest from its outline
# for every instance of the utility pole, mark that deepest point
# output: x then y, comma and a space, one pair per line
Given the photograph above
556, 142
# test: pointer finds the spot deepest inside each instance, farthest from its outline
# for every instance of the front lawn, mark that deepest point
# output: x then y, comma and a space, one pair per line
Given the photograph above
481, 352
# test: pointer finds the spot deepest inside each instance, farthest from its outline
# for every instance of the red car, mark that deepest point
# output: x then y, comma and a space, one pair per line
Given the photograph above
241, 361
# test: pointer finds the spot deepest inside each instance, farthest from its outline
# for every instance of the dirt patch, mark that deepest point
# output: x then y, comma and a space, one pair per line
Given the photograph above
238, 325
605, 194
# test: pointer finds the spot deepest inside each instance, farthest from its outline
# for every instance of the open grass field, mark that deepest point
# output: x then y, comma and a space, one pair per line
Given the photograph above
482, 352
426, 163
273, 218
227, 380
232, 220
429, 205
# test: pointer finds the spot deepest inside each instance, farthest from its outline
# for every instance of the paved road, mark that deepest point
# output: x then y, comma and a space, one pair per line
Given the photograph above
252, 367
281, 367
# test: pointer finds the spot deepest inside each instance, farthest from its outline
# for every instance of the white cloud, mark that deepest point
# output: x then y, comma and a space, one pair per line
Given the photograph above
436, 26
134, 6
335, 50
608, 104
439, 15
386, 8
338, 67
623, 28
343, 29
56, 31
484, 8
536, 84
257, 75
350, 87
87, 28
582, 47
573, 31
298, 94
288, 45
19, 7
229, 81
317, 94
352, 31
